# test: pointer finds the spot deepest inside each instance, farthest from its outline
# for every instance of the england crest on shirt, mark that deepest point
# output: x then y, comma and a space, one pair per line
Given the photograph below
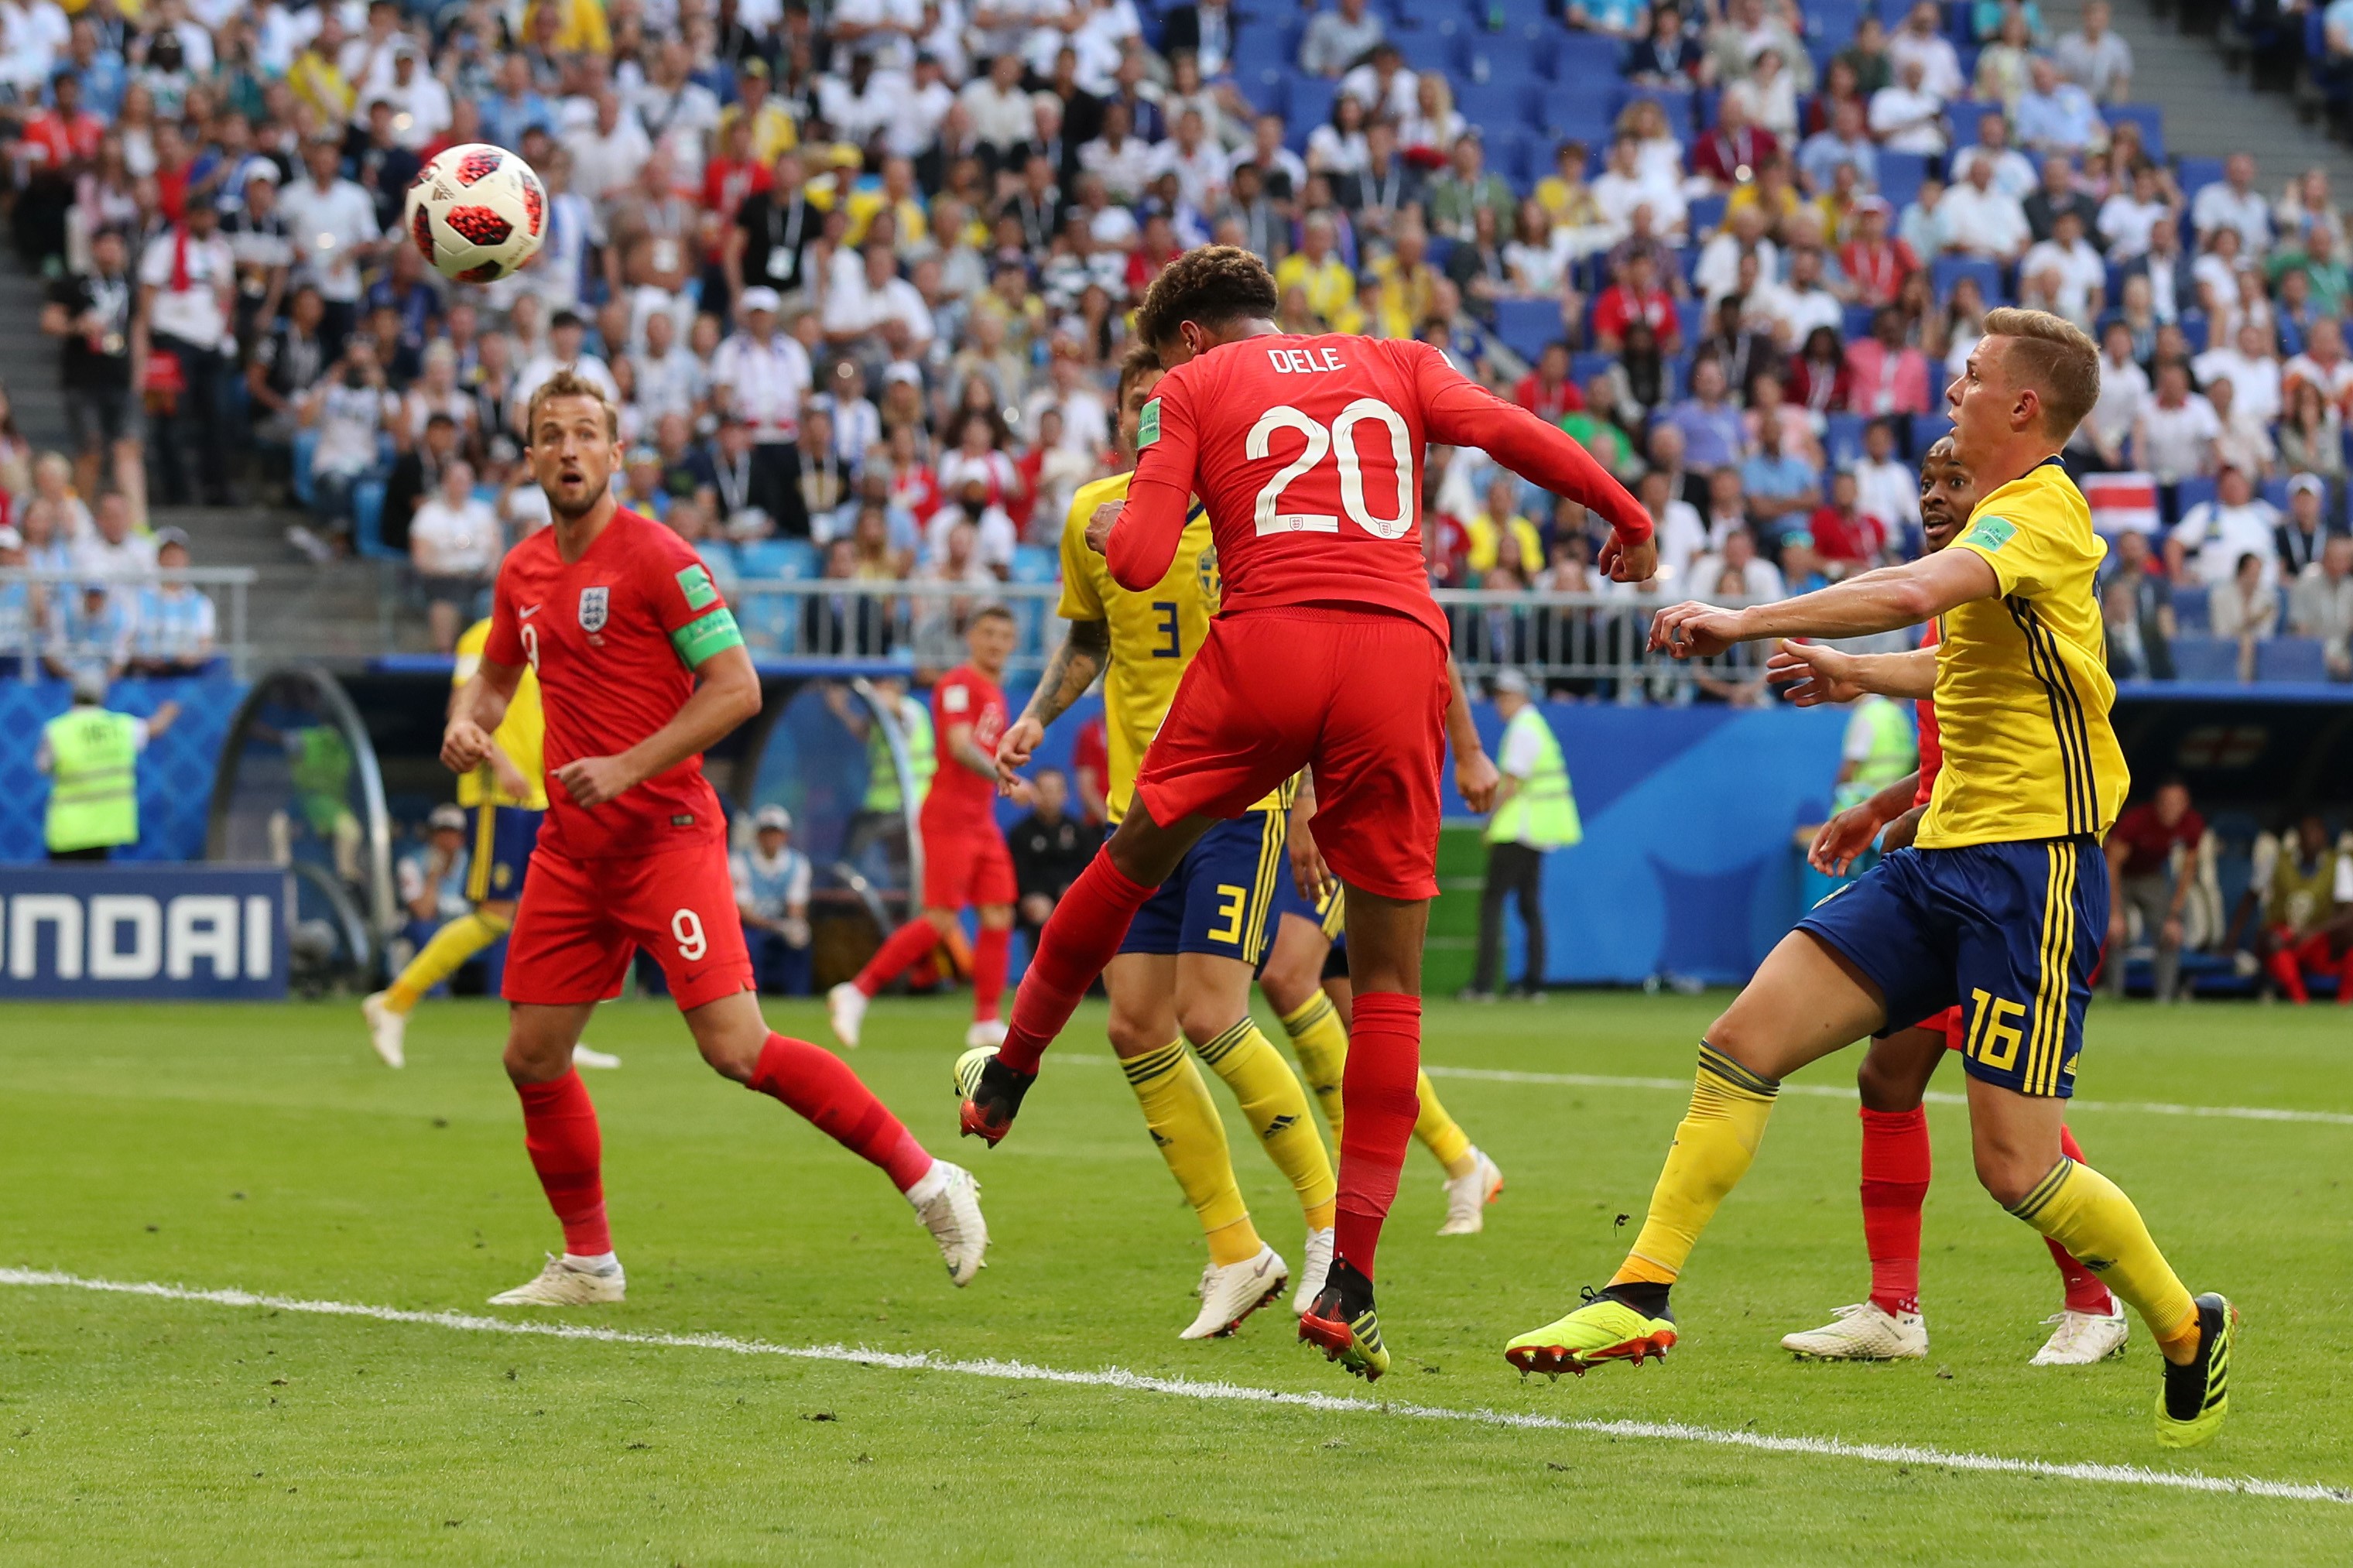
593, 604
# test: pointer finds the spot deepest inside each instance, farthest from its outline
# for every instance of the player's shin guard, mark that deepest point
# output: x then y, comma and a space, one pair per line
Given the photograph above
559, 1131
906, 948
1184, 1125
443, 956
1321, 1041
1713, 1145
1440, 1132
1384, 1061
1277, 1108
820, 1087
1081, 935
2088, 1215
990, 957
1895, 1168
2084, 1291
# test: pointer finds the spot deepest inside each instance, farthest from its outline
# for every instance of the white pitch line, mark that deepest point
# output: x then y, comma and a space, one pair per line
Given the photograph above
1829, 1091
1190, 1388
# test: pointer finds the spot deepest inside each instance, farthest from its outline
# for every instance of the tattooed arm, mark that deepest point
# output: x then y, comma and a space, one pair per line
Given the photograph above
1084, 655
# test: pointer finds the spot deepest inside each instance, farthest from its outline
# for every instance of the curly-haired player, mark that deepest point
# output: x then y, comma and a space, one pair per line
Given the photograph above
1327, 653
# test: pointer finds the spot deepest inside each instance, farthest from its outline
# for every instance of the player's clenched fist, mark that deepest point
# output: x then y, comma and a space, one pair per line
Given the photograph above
1693, 630
1814, 674
1624, 563
1014, 749
1476, 779
464, 744
593, 781
1099, 526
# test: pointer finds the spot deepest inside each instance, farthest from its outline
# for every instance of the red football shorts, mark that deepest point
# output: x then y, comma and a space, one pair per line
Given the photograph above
2315, 955
580, 920
1956, 1026
966, 866
1360, 695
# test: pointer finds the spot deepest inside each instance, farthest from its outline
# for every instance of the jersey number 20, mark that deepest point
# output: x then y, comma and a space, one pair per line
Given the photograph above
1339, 443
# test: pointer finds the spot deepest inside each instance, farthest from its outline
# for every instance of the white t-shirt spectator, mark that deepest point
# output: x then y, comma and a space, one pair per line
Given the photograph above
460, 540
1761, 579
763, 383
536, 372
993, 550
2177, 439
854, 306
1682, 539
2125, 223
2213, 536
2219, 206
606, 162
1940, 64
1984, 223
349, 420
1889, 492
2124, 392
2079, 271
2254, 383
327, 226
1906, 121
192, 314
96, 560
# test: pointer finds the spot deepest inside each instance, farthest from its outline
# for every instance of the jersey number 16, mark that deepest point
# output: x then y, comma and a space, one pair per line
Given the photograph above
1339, 443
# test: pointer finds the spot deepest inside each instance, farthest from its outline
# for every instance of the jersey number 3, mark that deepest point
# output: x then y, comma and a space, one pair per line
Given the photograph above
1339, 443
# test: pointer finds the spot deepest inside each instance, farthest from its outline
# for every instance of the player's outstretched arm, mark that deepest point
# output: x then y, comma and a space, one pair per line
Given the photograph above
1073, 667
1142, 543
1816, 674
1475, 774
727, 693
1462, 413
1886, 600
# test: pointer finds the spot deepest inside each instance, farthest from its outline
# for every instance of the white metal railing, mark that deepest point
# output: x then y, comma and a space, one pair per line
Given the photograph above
1591, 640
34, 619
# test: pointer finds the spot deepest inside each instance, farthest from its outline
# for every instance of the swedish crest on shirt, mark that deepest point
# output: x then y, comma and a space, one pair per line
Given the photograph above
596, 603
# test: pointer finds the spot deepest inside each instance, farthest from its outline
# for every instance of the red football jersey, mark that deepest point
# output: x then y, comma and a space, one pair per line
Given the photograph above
1307, 452
614, 637
960, 799
1932, 740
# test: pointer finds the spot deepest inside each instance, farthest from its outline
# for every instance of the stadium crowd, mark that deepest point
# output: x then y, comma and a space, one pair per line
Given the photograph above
857, 275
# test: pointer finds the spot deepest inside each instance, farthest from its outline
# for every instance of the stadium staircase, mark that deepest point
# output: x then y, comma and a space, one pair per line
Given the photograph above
2211, 111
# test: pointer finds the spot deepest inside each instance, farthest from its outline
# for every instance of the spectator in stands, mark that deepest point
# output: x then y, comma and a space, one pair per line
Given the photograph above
1782, 486
2305, 205
2069, 271
1337, 39
2206, 544
1768, 95
92, 315
1865, 55
1874, 264
1819, 383
2141, 850
1906, 116
91, 632
114, 549
2168, 270
2128, 216
2245, 442
332, 223
1981, 219
1546, 391
1711, 425
2320, 603
1884, 374
2302, 534
1847, 139
1049, 848
1732, 150
1665, 56
1484, 530
1682, 537
2233, 202
2174, 437
1921, 42
1804, 302
2244, 610
772, 896
2095, 57
1735, 568
2056, 116
2013, 172
187, 279
176, 623
2100, 443
1845, 538
1467, 188
454, 544
2248, 362
2003, 63
1750, 27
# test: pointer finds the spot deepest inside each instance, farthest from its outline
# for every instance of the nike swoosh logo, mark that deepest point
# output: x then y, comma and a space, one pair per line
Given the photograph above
527, 614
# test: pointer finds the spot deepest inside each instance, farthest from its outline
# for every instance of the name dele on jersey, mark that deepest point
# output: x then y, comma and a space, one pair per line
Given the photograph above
1286, 361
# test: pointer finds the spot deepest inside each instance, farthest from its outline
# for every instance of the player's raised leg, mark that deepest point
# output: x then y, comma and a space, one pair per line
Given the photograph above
1805, 1002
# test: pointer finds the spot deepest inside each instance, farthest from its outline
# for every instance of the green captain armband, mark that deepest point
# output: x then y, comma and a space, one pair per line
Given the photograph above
704, 636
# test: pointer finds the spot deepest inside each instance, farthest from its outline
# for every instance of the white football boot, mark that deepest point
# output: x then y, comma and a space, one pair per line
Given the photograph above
387, 1030
1863, 1331
2083, 1338
986, 1033
1313, 1265
1233, 1292
947, 1204
561, 1285
587, 1056
845, 1009
1467, 1197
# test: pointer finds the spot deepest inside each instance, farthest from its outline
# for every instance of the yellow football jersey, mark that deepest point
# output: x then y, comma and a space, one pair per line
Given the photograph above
2022, 686
1154, 634
522, 734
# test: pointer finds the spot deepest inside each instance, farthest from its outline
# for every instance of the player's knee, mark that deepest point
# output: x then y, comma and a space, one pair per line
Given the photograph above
530, 1060
997, 917
732, 1054
1200, 1023
2007, 1174
1131, 1037
941, 921
1882, 1088
1289, 980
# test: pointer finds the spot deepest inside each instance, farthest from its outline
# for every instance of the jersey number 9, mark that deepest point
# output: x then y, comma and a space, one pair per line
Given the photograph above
1339, 443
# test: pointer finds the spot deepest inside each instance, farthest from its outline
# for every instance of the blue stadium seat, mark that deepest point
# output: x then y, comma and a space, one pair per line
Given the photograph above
2291, 660
2191, 611
767, 621
1527, 325
1843, 440
2205, 658
1308, 106
1428, 50
2194, 174
368, 522
1569, 111
1857, 323
1584, 367
1928, 429
2193, 491
2149, 116
1511, 153
2276, 492
787, 560
1587, 60
1900, 174
2193, 327
1035, 563
1963, 113
1707, 215
1946, 271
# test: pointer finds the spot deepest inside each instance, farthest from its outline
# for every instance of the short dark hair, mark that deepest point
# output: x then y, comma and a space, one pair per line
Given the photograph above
1213, 285
1140, 360
991, 612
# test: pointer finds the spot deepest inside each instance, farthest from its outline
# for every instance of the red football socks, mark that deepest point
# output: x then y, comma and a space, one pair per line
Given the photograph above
559, 1130
2084, 1291
1377, 1089
1895, 1184
1081, 935
2344, 980
989, 958
906, 948
820, 1085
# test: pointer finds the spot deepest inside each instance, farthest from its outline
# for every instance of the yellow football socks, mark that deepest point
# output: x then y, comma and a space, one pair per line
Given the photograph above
1321, 1041
1183, 1123
1277, 1109
443, 956
2089, 1215
1440, 1133
1713, 1145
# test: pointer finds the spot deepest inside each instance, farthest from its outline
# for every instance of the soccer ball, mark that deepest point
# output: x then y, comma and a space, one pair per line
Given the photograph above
967, 1070
477, 213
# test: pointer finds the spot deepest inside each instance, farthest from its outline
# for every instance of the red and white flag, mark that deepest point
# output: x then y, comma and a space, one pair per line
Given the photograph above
2121, 504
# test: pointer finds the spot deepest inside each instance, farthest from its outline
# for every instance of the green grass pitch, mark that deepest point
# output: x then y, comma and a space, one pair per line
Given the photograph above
264, 1149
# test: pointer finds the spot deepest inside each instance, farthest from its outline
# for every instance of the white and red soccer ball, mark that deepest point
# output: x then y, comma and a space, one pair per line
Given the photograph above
477, 213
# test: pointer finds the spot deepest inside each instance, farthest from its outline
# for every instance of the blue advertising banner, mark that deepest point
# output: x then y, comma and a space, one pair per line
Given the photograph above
144, 933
